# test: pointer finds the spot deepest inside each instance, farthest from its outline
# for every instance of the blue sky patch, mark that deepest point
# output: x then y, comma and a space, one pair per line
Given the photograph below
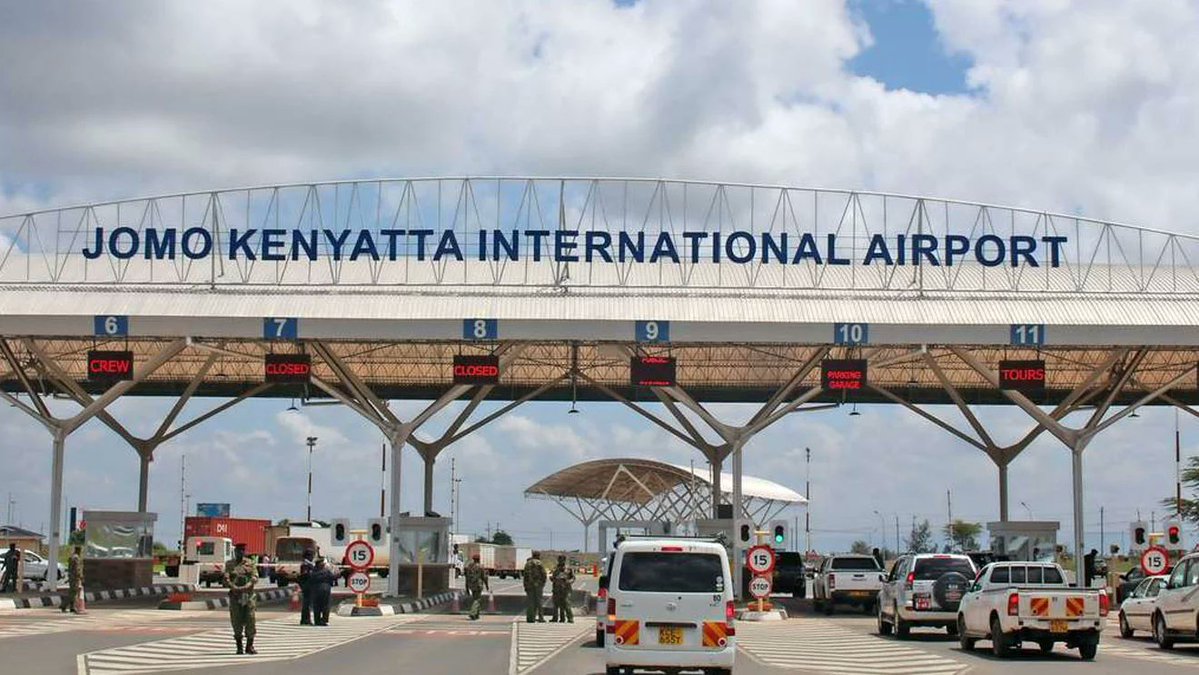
907, 52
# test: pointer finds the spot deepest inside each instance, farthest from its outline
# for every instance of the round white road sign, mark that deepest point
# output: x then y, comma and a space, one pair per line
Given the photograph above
360, 554
1155, 560
759, 587
359, 582
760, 559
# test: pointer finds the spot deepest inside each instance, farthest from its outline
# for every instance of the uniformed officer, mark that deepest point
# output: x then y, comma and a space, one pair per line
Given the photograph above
12, 561
306, 567
320, 586
241, 576
476, 581
534, 578
74, 581
563, 580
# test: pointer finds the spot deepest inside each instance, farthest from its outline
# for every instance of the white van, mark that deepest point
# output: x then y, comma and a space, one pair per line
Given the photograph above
670, 606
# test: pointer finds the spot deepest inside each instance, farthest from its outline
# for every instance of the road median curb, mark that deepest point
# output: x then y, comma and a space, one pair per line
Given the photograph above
222, 601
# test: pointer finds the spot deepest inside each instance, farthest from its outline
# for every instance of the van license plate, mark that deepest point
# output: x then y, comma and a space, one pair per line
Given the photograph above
1058, 626
670, 636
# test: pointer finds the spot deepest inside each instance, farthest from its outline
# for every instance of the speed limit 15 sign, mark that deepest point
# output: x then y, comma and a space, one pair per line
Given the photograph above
760, 559
360, 554
1154, 561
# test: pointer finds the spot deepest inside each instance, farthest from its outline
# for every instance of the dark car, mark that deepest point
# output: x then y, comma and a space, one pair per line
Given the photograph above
789, 576
1128, 581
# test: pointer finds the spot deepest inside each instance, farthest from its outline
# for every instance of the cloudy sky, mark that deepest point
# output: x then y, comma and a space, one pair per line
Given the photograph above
1089, 106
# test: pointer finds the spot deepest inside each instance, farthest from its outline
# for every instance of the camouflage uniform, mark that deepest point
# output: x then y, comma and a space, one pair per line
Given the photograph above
534, 578
476, 581
12, 579
74, 583
563, 580
240, 577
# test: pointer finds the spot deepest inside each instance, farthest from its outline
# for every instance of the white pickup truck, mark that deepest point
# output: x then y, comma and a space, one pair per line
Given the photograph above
1011, 602
847, 579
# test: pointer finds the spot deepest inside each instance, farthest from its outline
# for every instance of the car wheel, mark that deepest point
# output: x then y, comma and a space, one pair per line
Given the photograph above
952, 629
884, 628
1046, 646
869, 607
828, 608
1088, 648
599, 637
902, 629
966, 642
612, 670
1125, 629
1160, 635
999, 641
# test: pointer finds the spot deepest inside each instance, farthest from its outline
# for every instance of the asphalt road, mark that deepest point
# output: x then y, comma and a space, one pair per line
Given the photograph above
111, 640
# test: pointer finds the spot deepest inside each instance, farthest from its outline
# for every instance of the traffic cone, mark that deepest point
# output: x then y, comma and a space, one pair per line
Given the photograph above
491, 602
294, 604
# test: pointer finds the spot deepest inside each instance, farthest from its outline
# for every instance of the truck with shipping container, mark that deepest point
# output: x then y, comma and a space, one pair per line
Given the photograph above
486, 554
248, 531
510, 561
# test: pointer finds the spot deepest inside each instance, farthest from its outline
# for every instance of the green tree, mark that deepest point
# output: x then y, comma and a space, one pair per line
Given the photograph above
963, 535
920, 539
860, 547
1190, 507
502, 538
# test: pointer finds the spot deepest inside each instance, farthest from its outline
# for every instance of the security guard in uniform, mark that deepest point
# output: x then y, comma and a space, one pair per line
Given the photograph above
306, 567
74, 581
563, 580
476, 581
241, 576
534, 578
12, 562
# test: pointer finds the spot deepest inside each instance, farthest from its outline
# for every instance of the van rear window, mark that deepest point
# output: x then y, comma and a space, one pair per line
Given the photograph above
869, 564
654, 572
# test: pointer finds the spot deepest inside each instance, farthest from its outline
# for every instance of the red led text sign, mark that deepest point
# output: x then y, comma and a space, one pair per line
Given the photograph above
287, 368
652, 371
843, 374
109, 366
476, 369
1023, 376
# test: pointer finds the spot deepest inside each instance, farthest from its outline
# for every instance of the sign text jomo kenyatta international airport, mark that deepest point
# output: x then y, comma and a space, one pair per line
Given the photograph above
736, 246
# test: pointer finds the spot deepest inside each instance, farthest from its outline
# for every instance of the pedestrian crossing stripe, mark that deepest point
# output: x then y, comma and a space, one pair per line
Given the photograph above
535, 643
1149, 652
98, 621
820, 646
279, 640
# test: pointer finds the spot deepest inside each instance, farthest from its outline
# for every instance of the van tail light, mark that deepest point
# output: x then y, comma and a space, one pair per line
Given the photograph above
729, 613
1013, 604
911, 579
611, 627
832, 581
1104, 603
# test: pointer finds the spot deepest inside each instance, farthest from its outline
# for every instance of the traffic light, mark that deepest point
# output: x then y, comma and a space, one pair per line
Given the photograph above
1174, 535
1139, 535
778, 533
745, 533
376, 532
341, 532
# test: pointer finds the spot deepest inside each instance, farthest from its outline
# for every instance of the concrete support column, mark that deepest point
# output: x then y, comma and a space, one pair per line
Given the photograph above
738, 549
397, 440
430, 460
1003, 492
1076, 466
56, 471
143, 485
717, 466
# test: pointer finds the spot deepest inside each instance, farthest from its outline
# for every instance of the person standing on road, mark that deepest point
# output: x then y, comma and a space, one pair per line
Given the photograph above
534, 578
12, 562
320, 586
476, 581
306, 567
74, 582
1088, 567
241, 577
563, 580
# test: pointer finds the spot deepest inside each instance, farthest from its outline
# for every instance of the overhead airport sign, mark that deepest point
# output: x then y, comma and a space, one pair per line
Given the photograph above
1026, 376
843, 374
287, 368
566, 246
109, 366
652, 371
469, 369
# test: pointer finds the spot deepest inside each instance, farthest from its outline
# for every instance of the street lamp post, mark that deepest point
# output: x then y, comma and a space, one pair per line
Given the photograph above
311, 446
882, 529
807, 512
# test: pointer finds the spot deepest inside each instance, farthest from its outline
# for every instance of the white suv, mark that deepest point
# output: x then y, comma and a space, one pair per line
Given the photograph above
1176, 618
670, 607
924, 589
850, 579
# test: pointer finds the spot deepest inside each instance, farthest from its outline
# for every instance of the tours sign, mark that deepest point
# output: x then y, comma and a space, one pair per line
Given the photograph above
1025, 376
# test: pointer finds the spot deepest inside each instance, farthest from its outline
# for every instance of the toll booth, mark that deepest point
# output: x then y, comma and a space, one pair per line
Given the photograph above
1024, 539
424, 553
118, 549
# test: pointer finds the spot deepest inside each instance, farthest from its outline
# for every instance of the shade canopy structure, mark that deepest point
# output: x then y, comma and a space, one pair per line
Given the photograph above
565, 284
641, 490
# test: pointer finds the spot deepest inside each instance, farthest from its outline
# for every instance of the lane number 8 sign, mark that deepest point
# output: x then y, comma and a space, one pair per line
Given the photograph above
760, 560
